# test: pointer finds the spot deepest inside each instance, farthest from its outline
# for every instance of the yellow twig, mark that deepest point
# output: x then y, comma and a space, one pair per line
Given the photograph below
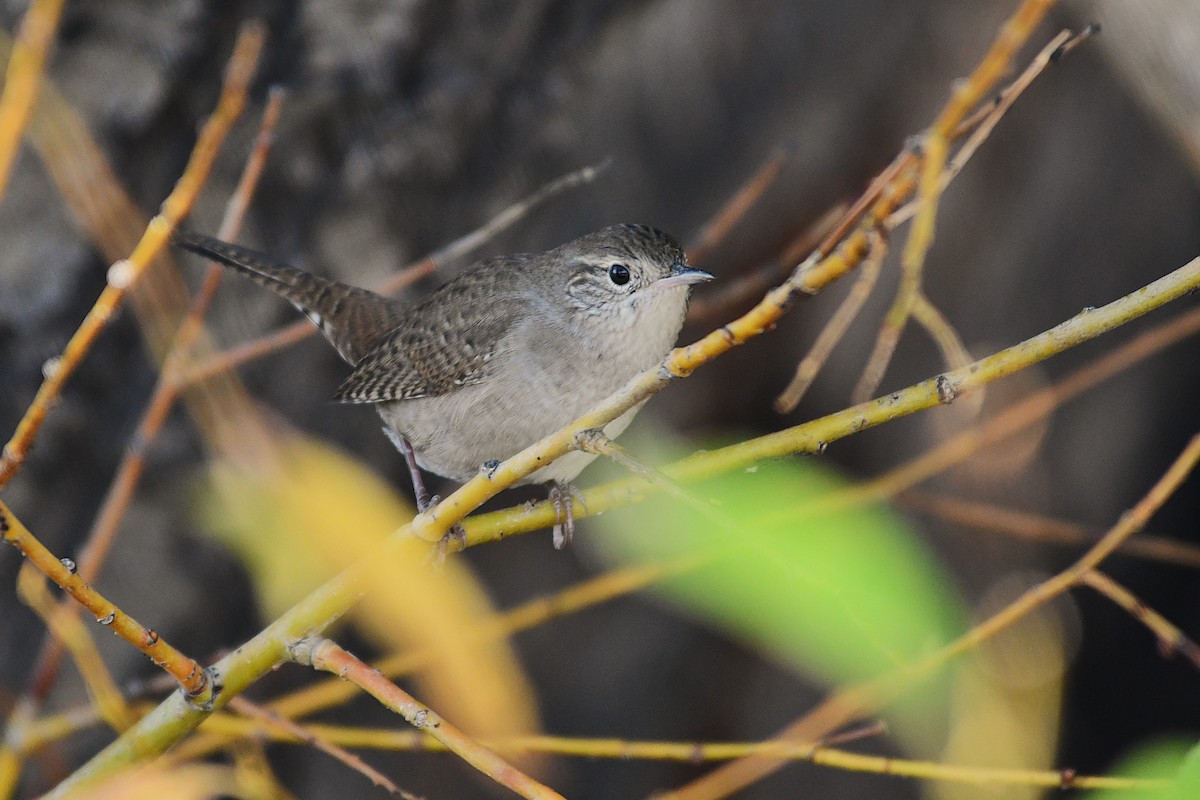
273, 722
695, 753
910, 301
12, 757
815, 435
1040, 528
1170, 639
966, 95
736, 207
989, 116
595, 442
879, 200
34, 734
927, 315
982, 776
253, 773
68, 629
22, 79
324, 655
889, 334
191, 676
836, 328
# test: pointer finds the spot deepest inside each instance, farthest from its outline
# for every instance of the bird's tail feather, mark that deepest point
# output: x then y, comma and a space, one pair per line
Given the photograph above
351, 318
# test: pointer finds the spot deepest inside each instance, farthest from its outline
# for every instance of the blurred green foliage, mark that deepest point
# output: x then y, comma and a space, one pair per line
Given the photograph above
1178, 758
840, 592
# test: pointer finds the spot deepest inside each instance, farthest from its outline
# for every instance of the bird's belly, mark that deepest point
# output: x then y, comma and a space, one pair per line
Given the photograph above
455, 434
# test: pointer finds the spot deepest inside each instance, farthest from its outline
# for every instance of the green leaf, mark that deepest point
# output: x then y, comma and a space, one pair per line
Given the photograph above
1156, 760
842, 592
1187, 781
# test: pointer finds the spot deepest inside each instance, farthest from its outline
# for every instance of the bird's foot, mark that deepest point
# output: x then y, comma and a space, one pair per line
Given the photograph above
564, 496
456, 534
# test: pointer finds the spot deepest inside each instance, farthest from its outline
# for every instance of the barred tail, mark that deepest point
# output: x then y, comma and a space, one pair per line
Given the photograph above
351, 318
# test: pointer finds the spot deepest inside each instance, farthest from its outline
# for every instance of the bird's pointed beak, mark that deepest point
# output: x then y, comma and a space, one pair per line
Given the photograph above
683, 275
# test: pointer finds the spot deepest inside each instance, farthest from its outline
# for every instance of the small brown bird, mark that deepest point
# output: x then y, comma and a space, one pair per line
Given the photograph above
507, 352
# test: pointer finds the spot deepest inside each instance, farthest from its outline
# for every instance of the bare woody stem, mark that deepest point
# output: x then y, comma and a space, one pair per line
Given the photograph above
270, 721
192, 677
823, 753
22, 79
325, 655
1170, 638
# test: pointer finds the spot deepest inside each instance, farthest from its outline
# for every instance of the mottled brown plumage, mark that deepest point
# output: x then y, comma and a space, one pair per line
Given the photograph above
445, 342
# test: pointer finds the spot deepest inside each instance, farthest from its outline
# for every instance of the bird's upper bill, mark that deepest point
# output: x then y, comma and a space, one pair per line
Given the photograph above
682, 275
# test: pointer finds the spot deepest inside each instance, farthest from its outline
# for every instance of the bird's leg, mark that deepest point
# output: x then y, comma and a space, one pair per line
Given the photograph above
563, 495
423, 498
424, 501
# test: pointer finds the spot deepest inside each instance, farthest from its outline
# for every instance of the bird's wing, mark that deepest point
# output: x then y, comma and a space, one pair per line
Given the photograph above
448, 341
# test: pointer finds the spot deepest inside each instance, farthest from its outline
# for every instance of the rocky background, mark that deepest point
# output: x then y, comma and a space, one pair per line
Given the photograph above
407, 124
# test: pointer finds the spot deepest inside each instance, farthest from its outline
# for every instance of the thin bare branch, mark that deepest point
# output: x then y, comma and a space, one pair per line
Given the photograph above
23, 77
324, 655
191, 676
835, 329
1040, 528
734, 209
1171, 640
300, 733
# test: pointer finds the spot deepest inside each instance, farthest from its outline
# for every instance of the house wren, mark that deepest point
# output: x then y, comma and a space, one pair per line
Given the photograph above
507, 352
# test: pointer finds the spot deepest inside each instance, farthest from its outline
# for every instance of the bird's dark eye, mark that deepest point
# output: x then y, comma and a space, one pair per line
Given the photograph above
618, 274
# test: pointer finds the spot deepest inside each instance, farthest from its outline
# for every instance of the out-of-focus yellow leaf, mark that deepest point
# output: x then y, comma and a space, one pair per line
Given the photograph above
156, 782
1005, 710
841, 595
1166, 758
317, 511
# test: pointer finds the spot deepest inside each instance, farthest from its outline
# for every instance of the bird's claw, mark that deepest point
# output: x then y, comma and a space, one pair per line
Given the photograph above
563, 496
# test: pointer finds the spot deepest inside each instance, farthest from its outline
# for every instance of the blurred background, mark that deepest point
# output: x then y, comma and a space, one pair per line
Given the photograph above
408, 124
